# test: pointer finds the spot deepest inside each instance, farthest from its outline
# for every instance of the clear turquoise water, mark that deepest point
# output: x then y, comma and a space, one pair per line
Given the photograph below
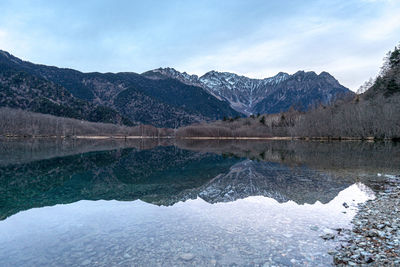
237, 205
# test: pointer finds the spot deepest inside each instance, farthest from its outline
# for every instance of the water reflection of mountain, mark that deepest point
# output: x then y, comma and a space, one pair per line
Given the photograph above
274, 180
165, 175
127, 174
360, 161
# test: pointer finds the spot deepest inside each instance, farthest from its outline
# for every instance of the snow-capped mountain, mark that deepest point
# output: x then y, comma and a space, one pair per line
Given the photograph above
240, 91
162, 73
273, 180
269, 95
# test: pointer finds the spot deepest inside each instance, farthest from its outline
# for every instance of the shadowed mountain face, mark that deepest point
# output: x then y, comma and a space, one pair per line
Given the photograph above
270, 95
127, 98
162, 174
22, 90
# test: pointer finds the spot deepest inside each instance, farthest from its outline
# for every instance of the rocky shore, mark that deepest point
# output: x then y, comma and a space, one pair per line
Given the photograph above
375, 237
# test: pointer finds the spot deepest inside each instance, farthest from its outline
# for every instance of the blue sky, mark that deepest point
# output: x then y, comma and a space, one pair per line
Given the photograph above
347, 38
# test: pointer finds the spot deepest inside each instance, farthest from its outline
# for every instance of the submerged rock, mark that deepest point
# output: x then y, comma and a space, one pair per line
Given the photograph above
327, 236
187, 256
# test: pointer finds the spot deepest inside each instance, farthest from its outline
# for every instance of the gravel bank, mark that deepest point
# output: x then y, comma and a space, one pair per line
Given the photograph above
375, 237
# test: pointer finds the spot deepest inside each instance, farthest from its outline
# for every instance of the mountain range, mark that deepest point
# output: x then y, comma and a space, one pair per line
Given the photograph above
129, 98
162, 97
301, 90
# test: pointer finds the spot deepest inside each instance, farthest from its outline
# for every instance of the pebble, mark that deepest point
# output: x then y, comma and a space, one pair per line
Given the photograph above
186, 256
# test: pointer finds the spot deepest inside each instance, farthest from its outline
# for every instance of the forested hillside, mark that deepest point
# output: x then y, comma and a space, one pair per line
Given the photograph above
19, 89
125, 98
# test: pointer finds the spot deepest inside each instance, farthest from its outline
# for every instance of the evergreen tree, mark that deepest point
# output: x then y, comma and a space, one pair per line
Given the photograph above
394, 58
392, 88
262, 120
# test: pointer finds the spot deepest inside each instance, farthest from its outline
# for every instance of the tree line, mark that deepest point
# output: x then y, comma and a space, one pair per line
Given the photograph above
16, 122
377, 118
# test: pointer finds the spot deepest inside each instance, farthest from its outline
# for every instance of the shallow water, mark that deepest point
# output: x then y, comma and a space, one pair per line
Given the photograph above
241, 204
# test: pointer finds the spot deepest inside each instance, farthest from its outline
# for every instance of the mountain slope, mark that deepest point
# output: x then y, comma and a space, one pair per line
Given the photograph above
167, 103
301, 90
19, 89
270, 95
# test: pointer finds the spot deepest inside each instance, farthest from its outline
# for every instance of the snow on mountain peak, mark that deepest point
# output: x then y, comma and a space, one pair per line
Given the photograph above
243, 93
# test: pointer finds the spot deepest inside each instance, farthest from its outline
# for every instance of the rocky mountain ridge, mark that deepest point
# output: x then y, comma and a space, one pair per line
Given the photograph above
269, 95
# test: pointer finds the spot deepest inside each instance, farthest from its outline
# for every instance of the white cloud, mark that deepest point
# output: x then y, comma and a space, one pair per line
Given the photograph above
351, 49
383, 27
347, 39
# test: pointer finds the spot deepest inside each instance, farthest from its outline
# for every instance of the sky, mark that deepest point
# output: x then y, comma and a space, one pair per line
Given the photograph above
255, 38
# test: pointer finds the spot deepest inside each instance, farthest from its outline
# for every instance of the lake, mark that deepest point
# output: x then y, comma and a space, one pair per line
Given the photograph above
183, 202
